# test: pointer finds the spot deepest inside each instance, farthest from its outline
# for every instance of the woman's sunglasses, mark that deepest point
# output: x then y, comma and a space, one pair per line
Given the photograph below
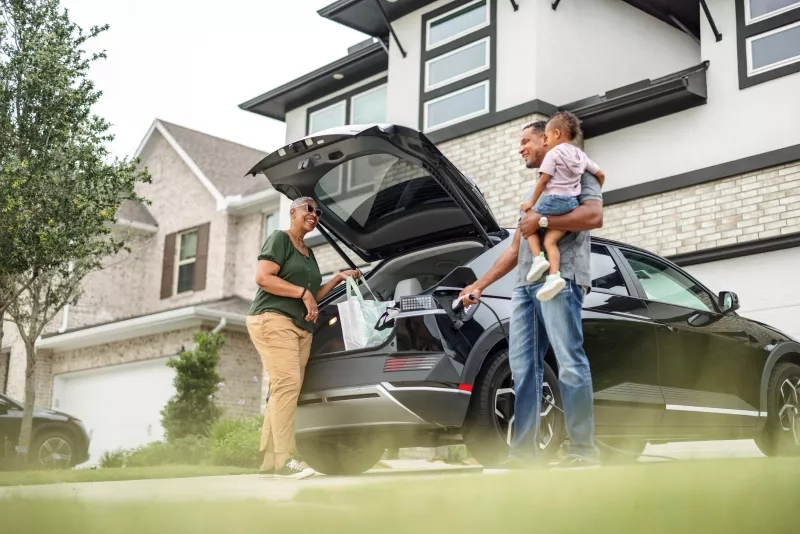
312, 209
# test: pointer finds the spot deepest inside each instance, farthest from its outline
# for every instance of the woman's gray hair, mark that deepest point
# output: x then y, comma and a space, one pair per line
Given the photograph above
300, 201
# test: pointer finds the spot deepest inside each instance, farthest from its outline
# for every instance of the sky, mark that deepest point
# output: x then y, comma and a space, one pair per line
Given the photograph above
192, 63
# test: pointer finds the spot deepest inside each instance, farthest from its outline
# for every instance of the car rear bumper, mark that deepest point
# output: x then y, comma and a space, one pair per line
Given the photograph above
381, 406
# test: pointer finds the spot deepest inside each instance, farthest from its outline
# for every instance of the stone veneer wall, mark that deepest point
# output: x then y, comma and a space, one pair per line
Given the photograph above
756, 205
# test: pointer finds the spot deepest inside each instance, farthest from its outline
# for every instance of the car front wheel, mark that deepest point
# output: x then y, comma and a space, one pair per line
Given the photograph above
340, 455
52, 450
781, 435
489, 428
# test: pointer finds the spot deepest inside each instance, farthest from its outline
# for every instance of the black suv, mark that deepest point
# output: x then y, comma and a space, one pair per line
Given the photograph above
670, 360
58, 441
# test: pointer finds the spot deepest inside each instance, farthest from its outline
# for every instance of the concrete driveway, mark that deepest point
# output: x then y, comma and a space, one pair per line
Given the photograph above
251, 487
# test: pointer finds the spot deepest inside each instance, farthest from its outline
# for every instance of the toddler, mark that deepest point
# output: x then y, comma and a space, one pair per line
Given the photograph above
558, 186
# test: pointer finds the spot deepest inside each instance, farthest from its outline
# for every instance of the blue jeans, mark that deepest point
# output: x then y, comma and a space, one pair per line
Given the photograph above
534, 326
556, 204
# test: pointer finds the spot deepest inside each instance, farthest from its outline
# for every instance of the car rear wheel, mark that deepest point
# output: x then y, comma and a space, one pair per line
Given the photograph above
340, 455
52, 450
781, 435
489, 428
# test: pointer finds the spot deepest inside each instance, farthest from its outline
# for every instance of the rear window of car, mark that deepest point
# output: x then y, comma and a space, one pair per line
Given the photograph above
367, 190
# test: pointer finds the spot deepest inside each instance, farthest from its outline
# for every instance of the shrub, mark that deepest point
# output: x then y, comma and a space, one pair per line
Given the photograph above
192, 411
236, 442
115, 458
191, 450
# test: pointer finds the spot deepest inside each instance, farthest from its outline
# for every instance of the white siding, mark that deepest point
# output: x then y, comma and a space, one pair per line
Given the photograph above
768, 286
734, 124
588, 47
556, 56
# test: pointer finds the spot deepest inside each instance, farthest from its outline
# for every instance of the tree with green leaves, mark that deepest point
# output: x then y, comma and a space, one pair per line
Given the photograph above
59, 187
192, 410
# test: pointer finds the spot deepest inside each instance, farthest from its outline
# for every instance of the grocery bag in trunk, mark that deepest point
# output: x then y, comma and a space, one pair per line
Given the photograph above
359, 317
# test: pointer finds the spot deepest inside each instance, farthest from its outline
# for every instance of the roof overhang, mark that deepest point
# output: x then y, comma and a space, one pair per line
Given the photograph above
135, 225
642, 101
359, 65
168, 321
263, 201
365, 15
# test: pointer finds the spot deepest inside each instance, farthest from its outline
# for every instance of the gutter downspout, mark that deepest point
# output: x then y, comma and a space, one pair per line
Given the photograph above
220, 326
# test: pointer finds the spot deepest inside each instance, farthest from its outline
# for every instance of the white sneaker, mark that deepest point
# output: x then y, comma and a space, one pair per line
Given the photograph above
539, 267
551, 287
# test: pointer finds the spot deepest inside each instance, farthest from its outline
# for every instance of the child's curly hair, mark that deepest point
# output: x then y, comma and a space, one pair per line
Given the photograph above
568, 123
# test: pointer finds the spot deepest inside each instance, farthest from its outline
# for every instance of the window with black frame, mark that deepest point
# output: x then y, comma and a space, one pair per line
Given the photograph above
457, 64
768, 40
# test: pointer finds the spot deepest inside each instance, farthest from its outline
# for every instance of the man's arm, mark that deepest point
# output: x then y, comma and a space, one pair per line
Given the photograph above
587, 216
504, 264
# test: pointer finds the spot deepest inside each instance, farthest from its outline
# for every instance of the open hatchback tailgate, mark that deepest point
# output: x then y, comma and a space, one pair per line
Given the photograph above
382, 189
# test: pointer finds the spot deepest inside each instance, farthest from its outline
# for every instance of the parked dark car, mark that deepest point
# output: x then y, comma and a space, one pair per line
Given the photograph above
58, 441
670, 360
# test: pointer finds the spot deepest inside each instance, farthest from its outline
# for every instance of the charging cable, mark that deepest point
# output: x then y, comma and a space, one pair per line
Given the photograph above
458, 306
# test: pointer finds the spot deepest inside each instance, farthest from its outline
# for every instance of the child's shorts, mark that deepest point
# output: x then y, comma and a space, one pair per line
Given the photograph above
556, 205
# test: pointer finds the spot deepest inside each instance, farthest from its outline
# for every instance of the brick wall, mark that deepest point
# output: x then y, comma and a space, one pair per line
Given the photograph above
741, 208
329, 260
239, 366
491, 158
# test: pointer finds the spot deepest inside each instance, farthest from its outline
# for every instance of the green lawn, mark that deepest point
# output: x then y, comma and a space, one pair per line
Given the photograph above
693, 496
29, 478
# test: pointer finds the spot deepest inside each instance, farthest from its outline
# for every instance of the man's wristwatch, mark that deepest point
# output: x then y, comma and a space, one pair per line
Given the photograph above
542, 222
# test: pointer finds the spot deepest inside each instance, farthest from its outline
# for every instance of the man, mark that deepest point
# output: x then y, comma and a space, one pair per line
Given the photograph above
536, 324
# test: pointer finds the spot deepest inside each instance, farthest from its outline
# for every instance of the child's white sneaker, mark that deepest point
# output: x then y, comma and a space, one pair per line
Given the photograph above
552, 285
539, 267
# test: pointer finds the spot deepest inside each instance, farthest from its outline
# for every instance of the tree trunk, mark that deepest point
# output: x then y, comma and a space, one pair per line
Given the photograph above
30, 399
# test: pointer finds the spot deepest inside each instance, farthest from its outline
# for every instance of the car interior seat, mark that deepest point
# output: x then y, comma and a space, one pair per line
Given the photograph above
406, 288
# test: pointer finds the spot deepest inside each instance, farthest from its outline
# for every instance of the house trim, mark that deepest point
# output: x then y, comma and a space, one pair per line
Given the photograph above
747, 248
189, 317
355, 67
708, 174
185, 158
745, 31
134, 225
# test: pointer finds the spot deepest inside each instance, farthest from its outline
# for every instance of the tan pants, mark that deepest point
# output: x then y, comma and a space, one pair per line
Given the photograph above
284, 350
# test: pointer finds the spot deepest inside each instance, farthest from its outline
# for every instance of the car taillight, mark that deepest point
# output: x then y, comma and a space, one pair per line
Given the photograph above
417, 363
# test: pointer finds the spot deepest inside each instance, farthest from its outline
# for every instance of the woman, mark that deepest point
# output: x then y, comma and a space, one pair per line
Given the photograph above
281, 322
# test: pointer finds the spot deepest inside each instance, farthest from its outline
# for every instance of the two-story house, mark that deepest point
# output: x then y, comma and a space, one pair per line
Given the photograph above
191, 267
689, 106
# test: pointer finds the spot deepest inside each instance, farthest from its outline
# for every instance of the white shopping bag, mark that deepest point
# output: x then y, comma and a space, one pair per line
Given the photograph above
359, 317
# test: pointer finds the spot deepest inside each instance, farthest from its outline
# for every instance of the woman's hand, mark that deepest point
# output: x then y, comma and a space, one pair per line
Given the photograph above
342, 276
311, 307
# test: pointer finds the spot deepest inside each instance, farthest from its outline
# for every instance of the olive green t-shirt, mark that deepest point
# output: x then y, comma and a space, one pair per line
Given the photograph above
296, 269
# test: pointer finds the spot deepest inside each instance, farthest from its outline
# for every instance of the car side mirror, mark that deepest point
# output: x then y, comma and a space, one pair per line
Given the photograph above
728, 301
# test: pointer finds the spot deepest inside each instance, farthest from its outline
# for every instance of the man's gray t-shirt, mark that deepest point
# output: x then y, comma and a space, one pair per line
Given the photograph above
575, 247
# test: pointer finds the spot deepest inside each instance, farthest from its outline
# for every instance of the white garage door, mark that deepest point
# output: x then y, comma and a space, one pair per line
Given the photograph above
120, 405
768, 286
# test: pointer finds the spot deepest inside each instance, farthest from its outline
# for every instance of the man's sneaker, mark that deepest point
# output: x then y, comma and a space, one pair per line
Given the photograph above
575, 461
292, 469
539, 267
551, 287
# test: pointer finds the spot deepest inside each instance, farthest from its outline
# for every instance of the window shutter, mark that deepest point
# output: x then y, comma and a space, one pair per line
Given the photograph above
168, 267
201, 260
